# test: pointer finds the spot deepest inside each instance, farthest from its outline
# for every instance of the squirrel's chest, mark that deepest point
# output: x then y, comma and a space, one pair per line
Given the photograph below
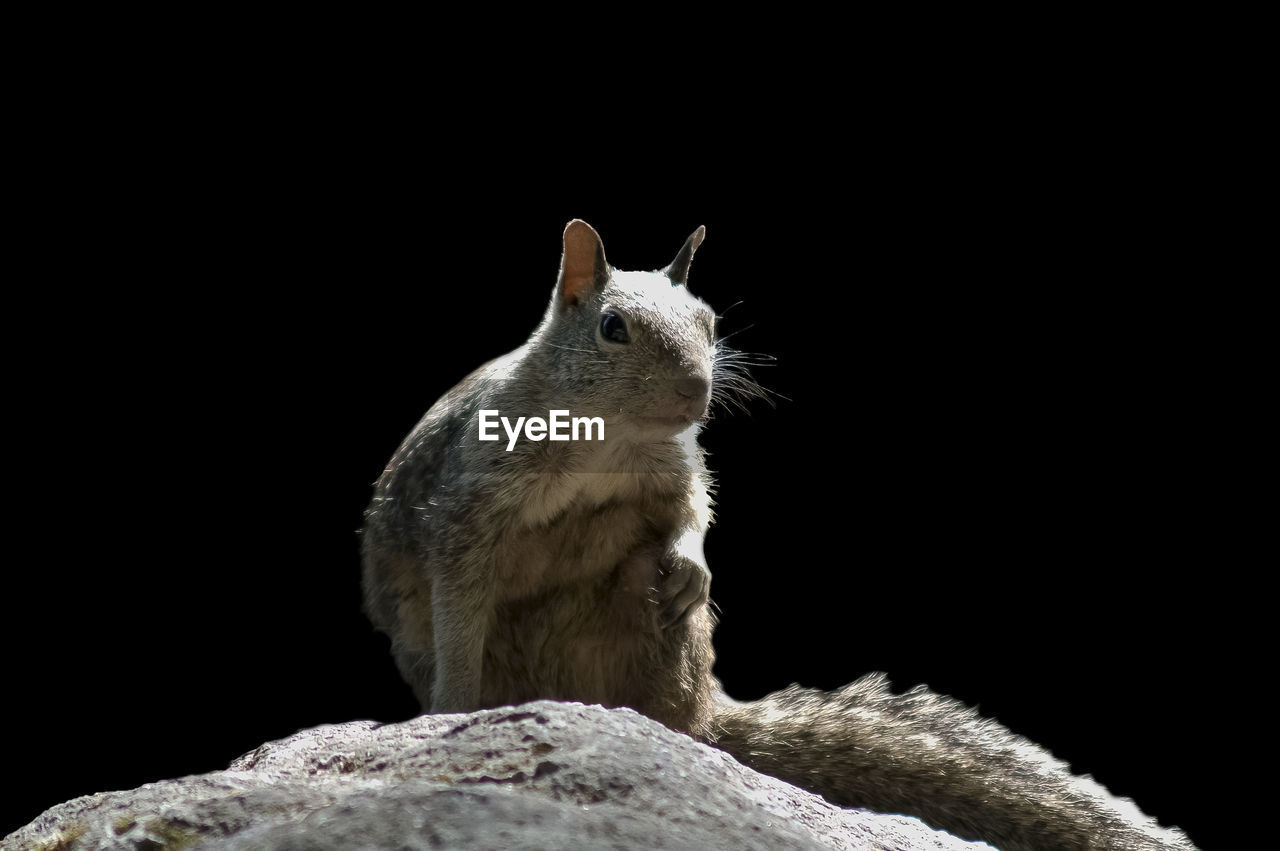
586, 543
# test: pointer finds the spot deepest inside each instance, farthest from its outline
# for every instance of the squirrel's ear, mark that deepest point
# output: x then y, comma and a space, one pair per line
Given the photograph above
583, 269
678, 271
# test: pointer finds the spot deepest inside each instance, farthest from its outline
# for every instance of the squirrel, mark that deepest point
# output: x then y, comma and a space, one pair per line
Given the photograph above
535, 567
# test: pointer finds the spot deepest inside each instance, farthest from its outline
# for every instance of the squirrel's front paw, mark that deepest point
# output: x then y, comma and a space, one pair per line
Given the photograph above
684, 585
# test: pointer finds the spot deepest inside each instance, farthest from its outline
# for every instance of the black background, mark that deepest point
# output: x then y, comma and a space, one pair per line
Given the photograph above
985, 470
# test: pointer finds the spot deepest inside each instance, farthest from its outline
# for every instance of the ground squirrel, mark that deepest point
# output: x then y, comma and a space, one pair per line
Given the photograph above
529, 564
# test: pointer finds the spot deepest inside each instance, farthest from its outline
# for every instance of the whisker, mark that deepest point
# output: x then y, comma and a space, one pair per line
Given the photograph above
730, 307
736, 333
733, 387
572, 348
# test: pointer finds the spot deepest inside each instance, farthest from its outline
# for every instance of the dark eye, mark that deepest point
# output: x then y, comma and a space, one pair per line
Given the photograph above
614, 328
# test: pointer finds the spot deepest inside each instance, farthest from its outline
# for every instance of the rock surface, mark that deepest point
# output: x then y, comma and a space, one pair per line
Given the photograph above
542, 775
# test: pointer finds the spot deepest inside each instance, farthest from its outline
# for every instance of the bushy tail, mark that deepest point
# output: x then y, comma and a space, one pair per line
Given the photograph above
929, 756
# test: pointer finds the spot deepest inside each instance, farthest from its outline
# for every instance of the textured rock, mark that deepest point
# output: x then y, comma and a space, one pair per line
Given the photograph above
541, 775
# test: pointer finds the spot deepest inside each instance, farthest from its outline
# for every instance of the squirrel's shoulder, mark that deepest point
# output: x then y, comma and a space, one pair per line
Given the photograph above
438, 436
485, 385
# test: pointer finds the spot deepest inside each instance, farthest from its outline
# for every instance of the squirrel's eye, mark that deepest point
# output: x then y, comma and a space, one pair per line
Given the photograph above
614, 328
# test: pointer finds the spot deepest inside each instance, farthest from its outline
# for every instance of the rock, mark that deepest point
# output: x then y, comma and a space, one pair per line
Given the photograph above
540, 775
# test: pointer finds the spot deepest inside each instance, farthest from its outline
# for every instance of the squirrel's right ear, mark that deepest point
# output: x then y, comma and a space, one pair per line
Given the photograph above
678, 271
583, 269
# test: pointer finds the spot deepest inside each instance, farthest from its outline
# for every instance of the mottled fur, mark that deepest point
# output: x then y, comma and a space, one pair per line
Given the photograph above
537, 573
575, 571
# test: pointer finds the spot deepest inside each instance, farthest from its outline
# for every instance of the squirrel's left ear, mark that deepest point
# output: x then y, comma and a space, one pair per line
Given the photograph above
583, 269
678, 271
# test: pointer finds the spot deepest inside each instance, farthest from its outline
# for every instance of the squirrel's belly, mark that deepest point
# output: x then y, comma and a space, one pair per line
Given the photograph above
600, 642
580, 640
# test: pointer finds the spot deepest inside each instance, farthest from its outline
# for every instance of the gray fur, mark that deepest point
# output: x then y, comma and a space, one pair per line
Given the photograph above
542, 572
575, 571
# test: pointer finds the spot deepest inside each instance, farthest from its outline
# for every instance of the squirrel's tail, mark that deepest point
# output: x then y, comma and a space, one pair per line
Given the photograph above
925, 755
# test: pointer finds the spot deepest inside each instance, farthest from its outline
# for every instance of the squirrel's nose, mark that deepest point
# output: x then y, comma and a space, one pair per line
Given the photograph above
693, 388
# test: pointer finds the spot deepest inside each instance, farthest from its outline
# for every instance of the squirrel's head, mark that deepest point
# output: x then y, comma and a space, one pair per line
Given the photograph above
634, 347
